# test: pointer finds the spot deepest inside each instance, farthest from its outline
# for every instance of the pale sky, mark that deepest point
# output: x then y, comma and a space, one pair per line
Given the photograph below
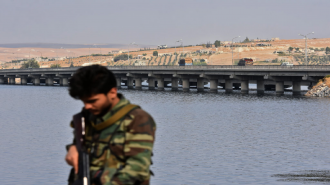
158, 22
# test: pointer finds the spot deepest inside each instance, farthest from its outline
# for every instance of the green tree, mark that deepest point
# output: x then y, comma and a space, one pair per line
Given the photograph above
327, 50
297, 49
217, 43
55, 66
32, 63
121, 57
155, 53
290, 49
208, 45
246, 40
144, 54
71, 65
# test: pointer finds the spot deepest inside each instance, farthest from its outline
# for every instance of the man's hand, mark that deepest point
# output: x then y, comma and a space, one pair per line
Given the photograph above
72, 158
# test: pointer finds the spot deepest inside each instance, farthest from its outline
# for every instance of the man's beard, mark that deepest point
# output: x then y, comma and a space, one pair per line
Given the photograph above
104, 111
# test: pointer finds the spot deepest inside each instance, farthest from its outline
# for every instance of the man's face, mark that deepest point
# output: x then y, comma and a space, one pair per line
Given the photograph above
99, 103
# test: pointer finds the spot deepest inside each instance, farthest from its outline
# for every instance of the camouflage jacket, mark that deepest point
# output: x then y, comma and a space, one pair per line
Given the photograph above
121, 153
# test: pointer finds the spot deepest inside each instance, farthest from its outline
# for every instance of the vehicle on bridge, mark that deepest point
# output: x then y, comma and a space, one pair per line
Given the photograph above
286, 64
245, 62
185, 62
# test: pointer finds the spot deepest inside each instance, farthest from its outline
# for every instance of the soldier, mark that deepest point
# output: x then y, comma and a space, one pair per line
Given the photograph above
119, 152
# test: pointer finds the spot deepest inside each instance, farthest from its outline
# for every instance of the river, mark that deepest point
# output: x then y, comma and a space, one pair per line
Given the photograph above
201, 138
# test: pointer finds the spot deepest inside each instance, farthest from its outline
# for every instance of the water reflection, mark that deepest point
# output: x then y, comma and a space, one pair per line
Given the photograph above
305, 176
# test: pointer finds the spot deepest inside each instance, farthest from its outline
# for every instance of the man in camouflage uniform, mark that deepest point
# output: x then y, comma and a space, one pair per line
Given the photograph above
119, 152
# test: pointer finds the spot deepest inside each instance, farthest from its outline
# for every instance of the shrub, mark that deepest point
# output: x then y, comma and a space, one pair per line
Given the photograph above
32, 63
121, 57
199, 63
55, 66
327, 50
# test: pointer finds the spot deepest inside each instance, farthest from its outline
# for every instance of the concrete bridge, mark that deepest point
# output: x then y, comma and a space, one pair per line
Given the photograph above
158, 77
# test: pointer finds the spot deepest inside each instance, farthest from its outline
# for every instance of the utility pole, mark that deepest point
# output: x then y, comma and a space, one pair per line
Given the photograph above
232, 50
175, 45
128, 49
306, 46
182, 47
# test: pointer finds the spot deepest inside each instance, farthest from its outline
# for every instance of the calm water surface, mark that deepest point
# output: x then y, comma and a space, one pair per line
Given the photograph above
201, 138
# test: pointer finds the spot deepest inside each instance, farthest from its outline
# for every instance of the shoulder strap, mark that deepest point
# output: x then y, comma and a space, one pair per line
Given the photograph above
117, 116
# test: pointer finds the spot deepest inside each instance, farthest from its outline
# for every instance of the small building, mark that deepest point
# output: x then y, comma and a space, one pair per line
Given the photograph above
41, 59
202, 51
44, 66
91, 63
139, 63
162, 47
164, 54
116, 51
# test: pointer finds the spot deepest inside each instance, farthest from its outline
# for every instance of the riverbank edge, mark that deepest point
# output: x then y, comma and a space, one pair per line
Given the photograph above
321, 89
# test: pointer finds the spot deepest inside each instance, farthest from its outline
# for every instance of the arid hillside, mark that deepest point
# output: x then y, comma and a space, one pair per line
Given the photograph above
263, 53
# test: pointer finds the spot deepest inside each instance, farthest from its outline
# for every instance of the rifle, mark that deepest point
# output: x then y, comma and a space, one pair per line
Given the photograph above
83, 161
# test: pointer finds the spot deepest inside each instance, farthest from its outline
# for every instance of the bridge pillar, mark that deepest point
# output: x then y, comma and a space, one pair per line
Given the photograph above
160, 84
214, 85
11, 81
118, 81
23, 81
36, 81
260, 87
138, 83
200, 84
49, 81
296, 88
279, 87
130, 83
245, 86
64, 81
185, 84
175, 84
151, 84
229, 86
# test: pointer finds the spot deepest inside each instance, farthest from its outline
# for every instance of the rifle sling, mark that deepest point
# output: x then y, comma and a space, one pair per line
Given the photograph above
117, 116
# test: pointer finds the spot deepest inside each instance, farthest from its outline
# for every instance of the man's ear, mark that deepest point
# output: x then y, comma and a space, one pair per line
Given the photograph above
112, 94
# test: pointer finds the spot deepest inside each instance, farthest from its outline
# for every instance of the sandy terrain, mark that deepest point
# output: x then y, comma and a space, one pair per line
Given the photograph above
8, 54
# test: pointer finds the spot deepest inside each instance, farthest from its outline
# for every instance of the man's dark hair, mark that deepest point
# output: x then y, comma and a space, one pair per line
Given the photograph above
91, 80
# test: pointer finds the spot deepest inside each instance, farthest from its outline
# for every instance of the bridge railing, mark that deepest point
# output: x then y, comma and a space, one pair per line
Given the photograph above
210, 67
271, 67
